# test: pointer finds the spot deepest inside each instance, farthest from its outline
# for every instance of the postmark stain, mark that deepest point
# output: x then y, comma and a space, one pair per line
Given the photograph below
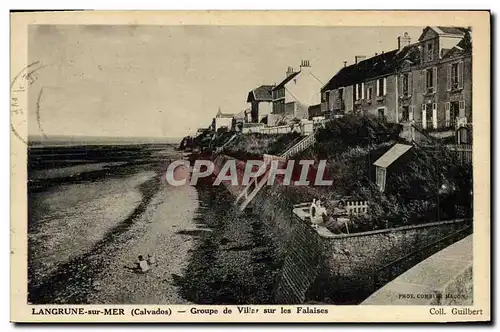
18, 97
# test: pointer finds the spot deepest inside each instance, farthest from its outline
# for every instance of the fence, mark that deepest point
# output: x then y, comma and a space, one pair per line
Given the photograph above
463, 151
356, 207
277, 129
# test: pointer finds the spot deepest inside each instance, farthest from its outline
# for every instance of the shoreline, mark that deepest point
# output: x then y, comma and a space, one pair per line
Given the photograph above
77, 280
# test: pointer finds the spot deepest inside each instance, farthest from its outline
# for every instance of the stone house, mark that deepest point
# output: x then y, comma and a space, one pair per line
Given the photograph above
442, 81
369, 86
261, 101
293, 96
222, 121
428, 83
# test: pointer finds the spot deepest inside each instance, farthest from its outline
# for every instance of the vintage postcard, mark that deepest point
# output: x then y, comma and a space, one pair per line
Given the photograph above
241, 166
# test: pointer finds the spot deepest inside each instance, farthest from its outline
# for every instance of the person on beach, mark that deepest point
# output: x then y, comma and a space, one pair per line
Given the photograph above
142, 265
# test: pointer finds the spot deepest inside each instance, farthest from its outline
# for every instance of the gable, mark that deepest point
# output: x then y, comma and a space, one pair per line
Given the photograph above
428, 33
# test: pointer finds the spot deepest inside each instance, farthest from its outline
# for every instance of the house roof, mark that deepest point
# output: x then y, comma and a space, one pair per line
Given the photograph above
392, 155
462, 48
285, 81
379, 65
456, 31
262, 93
451, 30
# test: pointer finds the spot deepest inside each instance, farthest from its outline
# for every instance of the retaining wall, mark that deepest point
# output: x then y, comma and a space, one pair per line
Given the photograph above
338, 269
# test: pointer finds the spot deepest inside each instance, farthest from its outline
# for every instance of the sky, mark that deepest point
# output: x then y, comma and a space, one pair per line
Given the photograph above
167, 81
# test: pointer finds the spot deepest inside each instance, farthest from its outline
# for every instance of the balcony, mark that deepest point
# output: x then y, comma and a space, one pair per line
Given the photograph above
405, 95
430, 91
455, 87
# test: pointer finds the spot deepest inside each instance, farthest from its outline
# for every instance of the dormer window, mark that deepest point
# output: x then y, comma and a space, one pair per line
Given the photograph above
429, 51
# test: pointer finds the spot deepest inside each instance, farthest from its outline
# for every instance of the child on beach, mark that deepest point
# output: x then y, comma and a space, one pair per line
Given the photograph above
142, 265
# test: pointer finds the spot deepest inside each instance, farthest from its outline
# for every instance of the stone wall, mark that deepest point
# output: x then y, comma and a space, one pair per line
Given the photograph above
353, 260
337, 269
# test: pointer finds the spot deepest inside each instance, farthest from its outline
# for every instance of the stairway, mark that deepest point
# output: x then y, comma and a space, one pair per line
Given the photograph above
220, 148
255, 185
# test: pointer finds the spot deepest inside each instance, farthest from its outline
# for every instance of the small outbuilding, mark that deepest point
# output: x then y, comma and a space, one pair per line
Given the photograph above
385, 163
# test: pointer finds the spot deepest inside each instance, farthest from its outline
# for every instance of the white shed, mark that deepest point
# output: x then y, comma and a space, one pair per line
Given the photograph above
384, 162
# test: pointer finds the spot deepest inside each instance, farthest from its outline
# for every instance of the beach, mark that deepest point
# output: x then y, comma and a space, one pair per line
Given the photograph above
89, 221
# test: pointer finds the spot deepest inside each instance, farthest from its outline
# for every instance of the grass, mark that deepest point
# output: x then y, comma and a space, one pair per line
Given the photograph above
255, 145
429, 186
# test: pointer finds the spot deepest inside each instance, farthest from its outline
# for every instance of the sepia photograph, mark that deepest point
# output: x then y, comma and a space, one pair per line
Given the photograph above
206, 165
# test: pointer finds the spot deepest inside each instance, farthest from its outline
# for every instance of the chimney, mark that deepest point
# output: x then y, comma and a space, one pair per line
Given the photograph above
289, 71
359, 58
345, 63
376, 53
305, 63
403, 41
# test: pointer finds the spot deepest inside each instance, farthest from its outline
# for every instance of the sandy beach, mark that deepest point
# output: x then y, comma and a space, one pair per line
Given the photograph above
85, 231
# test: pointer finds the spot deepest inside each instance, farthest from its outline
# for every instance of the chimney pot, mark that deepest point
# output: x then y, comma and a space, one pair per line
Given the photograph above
305, 63
403, 41
359, 58
345, 63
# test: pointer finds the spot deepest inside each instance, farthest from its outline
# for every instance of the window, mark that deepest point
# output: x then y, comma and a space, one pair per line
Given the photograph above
452, 111
455, 76
281, 93
369, 94
405, 84
430, 52
341, 94
381, 87
430, 80
359, 91
406, 114
381, 113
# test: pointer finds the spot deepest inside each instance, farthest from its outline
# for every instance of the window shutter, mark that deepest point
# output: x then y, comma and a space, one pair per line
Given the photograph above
410, 84
448, 77
434, 115
423, 81
362, 90
434, 79
400, 85
378, 88
461, 74
385, 86
447, 115
424, 116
